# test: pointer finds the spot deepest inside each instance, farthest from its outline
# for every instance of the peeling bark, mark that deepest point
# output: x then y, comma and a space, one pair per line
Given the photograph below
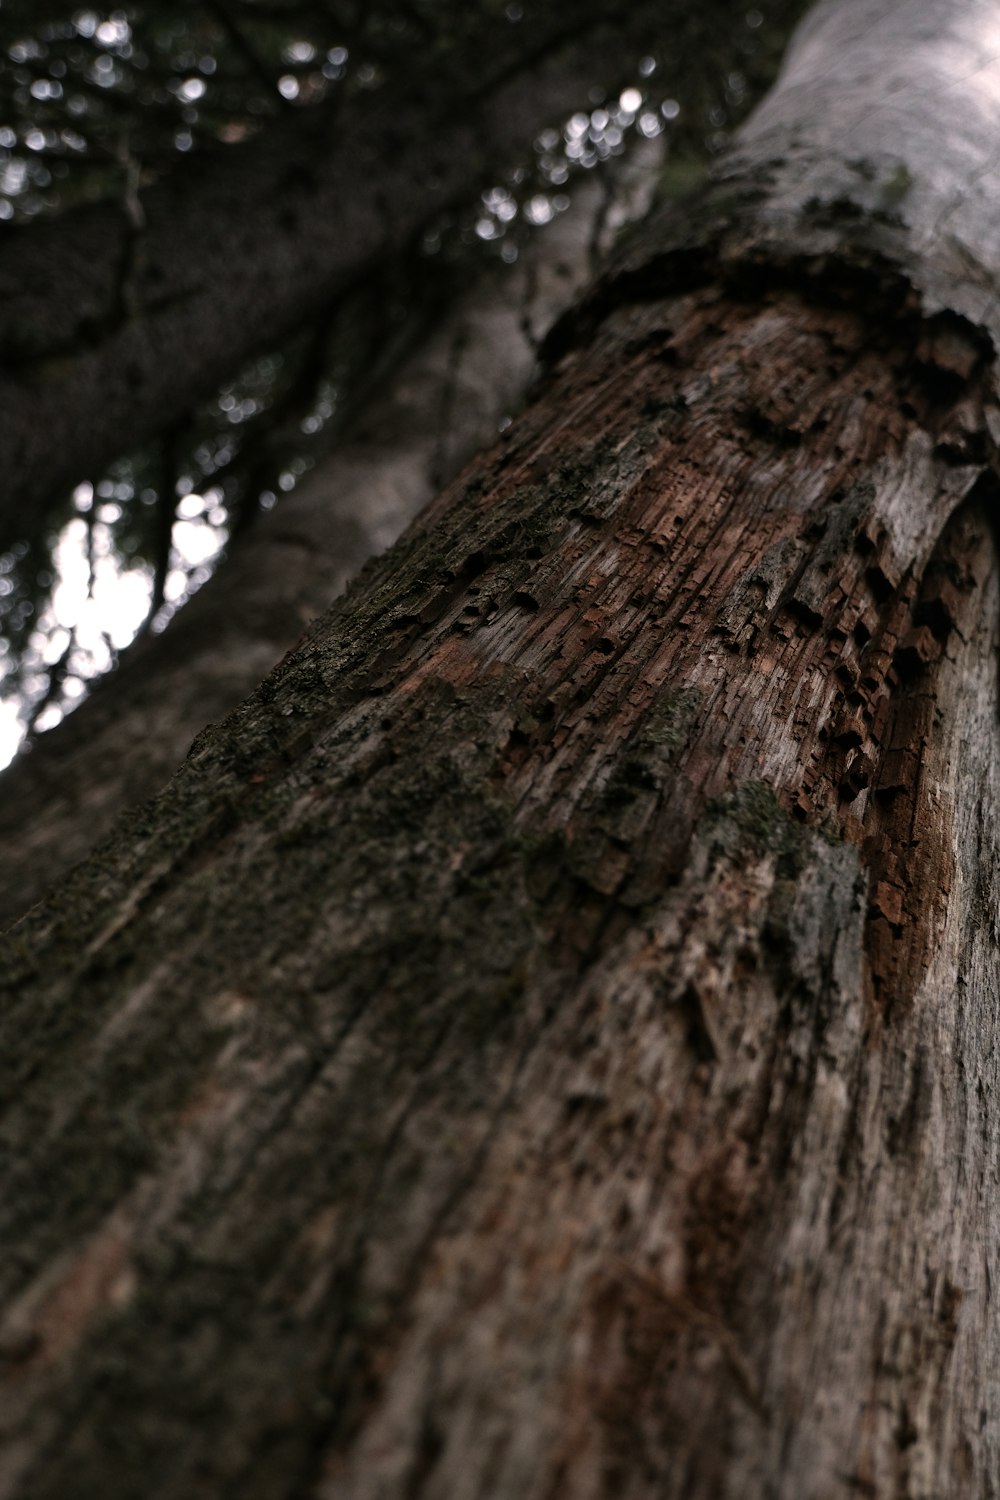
545, 1042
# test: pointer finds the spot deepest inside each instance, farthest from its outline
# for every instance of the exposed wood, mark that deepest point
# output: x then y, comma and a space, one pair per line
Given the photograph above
545, 1042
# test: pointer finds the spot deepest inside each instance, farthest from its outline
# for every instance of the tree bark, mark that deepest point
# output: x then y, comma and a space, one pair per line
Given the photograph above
442, 406
109, 335
544, 1043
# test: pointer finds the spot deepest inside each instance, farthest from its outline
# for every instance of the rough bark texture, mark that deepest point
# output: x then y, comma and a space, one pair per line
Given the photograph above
545, 1042
106, 331
442, 406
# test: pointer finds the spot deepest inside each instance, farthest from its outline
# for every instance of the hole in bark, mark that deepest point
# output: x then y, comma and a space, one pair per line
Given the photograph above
804, 613
934, 613
761, 425
582, 1101
862, 634
634, 773
746, 959
970, 448
908, 662
656, 342
698, 1034
429, 1450
879, 584
858, 776
941, 385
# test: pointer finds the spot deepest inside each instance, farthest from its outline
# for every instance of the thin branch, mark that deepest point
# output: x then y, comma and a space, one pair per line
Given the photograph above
166, 514
57, 674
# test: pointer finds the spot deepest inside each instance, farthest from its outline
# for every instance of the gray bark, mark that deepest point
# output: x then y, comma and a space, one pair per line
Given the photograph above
544, 1042
439, 409
877, 139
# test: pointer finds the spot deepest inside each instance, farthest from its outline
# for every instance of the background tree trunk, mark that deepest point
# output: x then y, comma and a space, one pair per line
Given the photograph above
430, 416
544, 1042
109, 328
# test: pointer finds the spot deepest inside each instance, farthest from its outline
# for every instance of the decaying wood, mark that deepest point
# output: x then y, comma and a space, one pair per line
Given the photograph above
545, 1042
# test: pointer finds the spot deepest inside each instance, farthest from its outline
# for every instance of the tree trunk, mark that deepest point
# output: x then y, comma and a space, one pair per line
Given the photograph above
545, 1042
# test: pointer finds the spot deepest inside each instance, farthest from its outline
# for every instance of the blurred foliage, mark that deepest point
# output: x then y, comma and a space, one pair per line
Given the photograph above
98, 103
